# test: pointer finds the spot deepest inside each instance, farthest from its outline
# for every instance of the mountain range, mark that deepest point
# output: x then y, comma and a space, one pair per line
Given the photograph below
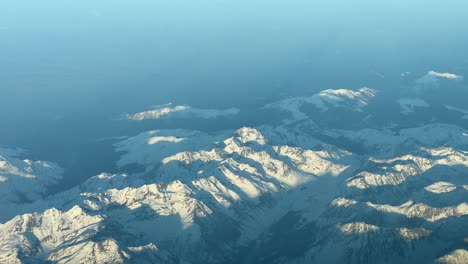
299, 188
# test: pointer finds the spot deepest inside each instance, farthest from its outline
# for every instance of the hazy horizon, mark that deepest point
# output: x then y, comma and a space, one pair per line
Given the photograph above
63, 58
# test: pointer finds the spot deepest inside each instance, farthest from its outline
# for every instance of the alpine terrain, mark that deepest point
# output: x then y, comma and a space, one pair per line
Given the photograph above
338, 176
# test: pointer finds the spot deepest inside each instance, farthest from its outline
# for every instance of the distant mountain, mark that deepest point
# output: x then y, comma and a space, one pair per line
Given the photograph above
323, 101
181, 111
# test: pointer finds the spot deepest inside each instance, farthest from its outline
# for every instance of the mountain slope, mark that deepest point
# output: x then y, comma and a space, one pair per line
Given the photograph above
23, 180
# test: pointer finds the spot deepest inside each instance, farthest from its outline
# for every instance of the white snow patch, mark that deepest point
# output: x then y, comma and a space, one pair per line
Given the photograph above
408, 105
358, 228
343, 202
155, 140
441, 187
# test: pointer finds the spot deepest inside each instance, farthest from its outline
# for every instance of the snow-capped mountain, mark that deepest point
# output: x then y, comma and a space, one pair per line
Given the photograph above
23, 180
433, 78
323, 101
73, 236
181, 111
290, 193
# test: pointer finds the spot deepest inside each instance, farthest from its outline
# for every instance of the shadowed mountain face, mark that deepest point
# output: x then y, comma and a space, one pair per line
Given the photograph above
233, 132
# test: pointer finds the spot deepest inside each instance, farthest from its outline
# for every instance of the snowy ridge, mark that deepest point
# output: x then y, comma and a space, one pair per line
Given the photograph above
152, 146
325, 100
432, 214
432, 78
158, 112
389, 142
356, 228
458, 256
181, 111
405, 166
65, 237
444, 75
